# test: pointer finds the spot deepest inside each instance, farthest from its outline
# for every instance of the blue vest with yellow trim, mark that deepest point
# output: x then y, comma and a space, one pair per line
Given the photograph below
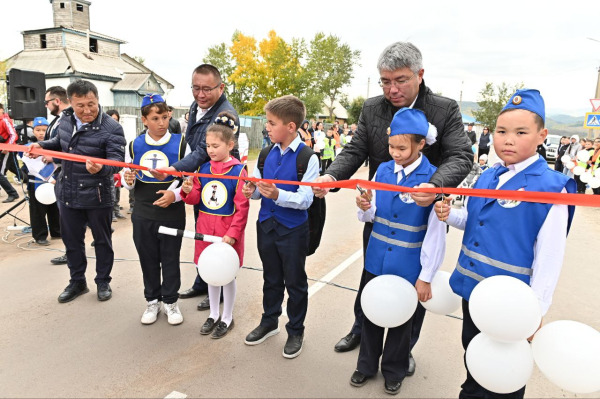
399, 226
282, 168
156, 156
500, 234
216, 195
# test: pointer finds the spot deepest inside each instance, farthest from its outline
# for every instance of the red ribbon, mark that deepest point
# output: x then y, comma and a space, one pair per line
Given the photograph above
528, 196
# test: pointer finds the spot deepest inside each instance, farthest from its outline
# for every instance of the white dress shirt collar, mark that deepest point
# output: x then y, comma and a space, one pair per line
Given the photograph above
410, 168
293, 145
518, 167
163, 140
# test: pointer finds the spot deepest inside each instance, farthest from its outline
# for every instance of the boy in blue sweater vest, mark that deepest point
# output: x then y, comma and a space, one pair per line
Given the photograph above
525, 240
282, 227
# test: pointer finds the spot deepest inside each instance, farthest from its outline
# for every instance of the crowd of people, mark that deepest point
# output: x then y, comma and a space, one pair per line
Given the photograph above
409, 136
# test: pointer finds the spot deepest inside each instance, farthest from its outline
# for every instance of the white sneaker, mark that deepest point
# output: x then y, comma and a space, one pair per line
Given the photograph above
151, 313
174, 316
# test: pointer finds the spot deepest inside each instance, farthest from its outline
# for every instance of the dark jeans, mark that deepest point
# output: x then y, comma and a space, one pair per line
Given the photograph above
283, 255
470, 388
580, 185
38, 213
5, 184
418, 317
116, 199
325, 163
72, 227
484, 151
395, 351
159, 253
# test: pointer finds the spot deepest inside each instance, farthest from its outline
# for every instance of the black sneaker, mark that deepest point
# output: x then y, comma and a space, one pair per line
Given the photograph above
293, 346
260, 334
104, 291
61, 260
73, 290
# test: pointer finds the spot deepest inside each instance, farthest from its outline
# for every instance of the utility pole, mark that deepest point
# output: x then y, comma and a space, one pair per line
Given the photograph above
368, 85
597, 92
461, 90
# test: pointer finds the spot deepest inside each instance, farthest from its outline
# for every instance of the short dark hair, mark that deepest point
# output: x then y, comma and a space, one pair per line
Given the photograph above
170, 108
471, 124
81, 88
288, 109
224, 131
538, 119
58, 92
1, 106
207, 69
112, 112
161, 108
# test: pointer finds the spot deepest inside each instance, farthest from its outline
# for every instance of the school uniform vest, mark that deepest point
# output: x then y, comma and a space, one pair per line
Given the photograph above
279, 167
500, 234
156, 156
146, 187
329, 150
399, 226
217, 195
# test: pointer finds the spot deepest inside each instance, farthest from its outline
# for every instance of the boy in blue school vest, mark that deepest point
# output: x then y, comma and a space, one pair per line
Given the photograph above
282, 227
158, 253
407, 241
524, 240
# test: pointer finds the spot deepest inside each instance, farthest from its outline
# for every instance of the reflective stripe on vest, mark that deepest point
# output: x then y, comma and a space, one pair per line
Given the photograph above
398, 243
468, 273
400, 226
496, 263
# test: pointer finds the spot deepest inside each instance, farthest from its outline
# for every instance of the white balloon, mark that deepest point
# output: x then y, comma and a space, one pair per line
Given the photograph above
595, 182
218, 264
585, 177
568, 354
583, 155
597, 172
505, 308
565, 159
501, 367
45, 194
443, 300
578, 170
389, 301
570, 165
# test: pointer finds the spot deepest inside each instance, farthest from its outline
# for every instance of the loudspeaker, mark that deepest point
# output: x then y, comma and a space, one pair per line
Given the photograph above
26, 92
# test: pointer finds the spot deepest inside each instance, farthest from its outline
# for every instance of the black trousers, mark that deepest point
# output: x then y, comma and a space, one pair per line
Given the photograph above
158, 253
5, 184
37, 215
484, 151
283, 254
72, 227
199, 284
325, 163
395, 351
470, 388
418, 317
9, 162
558, 165
116, 192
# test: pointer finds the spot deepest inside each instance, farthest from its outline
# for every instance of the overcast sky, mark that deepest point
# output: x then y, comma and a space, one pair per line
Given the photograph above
464, 43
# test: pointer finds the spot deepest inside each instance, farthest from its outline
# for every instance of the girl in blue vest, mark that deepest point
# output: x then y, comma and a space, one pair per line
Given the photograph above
223, 212
407, 241
158, 253
524, 240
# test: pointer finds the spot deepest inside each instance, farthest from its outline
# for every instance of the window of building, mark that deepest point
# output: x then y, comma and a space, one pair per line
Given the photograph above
62, 5
93, 45
80, 7
43, 41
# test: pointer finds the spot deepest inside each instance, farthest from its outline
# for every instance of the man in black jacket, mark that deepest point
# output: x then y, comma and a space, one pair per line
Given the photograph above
208, 90
401, 78
83, 190
174, 126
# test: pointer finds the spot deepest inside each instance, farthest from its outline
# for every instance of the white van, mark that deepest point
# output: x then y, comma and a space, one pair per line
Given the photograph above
552, 142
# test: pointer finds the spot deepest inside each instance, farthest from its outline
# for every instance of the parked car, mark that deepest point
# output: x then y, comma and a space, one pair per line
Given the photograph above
552, 142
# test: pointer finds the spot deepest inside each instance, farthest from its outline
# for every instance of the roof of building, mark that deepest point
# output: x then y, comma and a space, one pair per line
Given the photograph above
131, 81
79, 1
142, 67
338, 110
94, 35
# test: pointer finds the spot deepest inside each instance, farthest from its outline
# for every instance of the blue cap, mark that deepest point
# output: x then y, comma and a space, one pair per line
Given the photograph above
152, 99
528, 99
40, 121
409, 121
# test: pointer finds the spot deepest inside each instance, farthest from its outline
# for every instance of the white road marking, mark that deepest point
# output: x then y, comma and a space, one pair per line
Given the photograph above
176, 395
316, 287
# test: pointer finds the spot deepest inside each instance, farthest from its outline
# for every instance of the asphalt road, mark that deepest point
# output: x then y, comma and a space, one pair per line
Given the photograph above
87, 348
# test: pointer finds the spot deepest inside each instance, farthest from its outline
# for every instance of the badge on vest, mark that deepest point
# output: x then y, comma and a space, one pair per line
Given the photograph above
406, 198
508, 204
214, 195
154, 159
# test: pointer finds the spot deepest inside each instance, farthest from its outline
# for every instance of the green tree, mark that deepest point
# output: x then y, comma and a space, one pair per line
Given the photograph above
331, 65
355, 109
139, 59
3, 94
492, 100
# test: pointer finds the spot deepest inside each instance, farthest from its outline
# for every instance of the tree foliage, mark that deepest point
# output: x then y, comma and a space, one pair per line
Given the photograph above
492, 100
256, 72
3, 93
355, 109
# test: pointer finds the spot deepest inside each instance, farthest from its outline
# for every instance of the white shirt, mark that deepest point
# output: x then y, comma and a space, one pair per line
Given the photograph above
549, 248
434, 243
164, 139
201, 112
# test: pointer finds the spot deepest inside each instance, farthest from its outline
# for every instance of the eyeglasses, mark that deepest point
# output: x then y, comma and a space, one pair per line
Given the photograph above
386, 84
205, 90
47, 101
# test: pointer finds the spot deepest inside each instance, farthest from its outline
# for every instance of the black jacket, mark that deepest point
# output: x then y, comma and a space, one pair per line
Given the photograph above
103, 138
196, 135
451, 153
174, 126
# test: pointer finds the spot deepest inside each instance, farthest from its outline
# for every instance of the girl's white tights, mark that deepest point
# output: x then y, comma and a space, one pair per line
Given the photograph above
214, 294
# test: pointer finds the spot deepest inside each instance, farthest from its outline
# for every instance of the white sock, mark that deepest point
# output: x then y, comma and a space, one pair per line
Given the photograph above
228, 301
214, 295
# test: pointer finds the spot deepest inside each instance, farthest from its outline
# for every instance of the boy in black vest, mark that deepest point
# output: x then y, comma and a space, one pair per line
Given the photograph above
157, 149
282, 227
